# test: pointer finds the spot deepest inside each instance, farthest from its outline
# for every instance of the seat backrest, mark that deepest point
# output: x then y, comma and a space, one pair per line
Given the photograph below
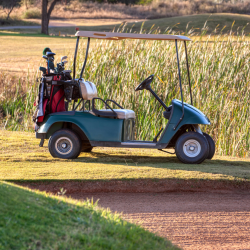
88, 90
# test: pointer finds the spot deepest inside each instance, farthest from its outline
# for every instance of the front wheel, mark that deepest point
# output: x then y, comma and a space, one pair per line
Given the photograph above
192, 148
211, 146
65, 144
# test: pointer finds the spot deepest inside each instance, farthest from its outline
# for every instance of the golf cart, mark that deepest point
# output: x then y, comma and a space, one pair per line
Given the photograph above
73, 132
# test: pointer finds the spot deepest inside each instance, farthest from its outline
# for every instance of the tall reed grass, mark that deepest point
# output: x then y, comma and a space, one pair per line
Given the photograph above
220, 80
17, 95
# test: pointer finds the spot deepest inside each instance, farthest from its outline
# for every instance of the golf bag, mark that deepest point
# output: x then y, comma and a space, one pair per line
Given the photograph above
50, 98
55, 85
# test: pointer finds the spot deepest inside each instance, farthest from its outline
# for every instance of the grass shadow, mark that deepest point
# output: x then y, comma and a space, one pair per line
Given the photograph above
49, 222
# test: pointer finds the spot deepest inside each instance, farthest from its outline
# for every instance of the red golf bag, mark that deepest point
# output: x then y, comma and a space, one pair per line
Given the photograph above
50, 98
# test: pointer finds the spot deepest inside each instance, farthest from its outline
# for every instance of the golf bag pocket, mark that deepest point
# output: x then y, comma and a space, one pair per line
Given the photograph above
57, 103
40, 118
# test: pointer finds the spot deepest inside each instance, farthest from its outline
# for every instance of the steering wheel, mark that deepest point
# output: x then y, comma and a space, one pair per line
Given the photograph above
145, 83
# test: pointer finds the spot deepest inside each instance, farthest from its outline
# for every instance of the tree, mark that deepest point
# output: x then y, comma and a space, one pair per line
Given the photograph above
46, 15
8, 6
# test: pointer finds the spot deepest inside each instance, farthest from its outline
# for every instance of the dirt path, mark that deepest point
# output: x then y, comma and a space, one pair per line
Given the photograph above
52, 25
192, 214
70, 23
190, 220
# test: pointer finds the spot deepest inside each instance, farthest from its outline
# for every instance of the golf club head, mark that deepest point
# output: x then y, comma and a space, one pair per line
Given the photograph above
63, 58
50, 54
45, 57
46, 50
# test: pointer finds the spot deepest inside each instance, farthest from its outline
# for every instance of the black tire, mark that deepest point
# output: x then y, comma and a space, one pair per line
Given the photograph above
211, 146
62, 138
192, 148
86, 148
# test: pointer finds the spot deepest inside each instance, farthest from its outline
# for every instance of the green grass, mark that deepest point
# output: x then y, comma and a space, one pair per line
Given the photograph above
35, 220
4, 33
197, 22
21, 159
179, 24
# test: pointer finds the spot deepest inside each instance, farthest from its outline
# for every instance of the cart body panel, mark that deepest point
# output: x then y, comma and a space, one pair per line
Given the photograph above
192, 115
100, 129
95, 128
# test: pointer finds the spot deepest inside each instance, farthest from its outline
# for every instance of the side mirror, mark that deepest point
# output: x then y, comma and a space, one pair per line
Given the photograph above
64, 62
63, 58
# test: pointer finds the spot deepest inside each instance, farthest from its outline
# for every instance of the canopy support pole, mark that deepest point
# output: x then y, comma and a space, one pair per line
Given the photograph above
86, 57
74, 63
179, 72
188, 74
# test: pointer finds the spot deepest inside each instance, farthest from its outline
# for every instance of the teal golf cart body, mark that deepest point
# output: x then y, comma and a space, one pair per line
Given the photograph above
101, 131
75, 131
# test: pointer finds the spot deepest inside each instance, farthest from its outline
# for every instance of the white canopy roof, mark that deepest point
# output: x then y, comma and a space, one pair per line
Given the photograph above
120, 36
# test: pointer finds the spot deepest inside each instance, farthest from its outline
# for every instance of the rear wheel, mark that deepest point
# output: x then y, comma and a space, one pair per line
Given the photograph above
211, 146
192, 148
65, 144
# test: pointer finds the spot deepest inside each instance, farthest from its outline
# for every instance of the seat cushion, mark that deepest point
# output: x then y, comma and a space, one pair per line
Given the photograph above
88, 90
121, 113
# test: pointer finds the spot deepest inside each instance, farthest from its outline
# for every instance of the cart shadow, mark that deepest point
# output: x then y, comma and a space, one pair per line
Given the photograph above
126, 159
109, 158
223, 167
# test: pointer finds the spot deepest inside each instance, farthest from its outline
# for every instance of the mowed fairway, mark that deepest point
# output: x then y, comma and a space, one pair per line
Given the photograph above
24, 53
225, 21
23, 160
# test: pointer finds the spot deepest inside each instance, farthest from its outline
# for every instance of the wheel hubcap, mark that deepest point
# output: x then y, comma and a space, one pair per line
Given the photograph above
63, 145
192, 148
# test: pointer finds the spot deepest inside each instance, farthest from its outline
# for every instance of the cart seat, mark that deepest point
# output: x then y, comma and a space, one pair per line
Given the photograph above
87, 89
121, 113
89, 92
